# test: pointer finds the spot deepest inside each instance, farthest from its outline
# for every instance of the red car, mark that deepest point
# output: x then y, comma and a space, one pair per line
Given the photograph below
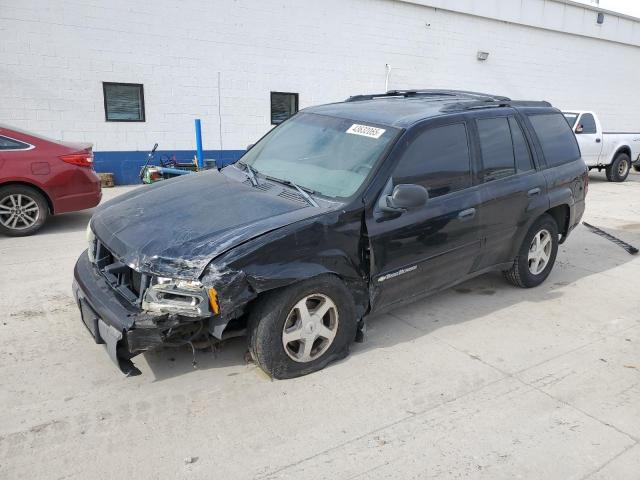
41, 177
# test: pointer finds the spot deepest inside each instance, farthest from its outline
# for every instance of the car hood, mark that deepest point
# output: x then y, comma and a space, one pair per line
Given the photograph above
175, 228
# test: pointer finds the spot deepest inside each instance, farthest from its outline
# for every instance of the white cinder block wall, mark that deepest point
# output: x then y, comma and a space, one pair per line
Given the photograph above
54, 54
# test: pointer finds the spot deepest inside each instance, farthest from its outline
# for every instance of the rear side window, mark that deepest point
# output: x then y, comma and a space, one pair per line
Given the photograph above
437, 159
497, 148
558, 142
588, 123
521, 150
11, 144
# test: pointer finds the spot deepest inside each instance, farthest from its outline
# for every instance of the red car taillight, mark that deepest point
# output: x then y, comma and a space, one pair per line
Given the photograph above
81, 159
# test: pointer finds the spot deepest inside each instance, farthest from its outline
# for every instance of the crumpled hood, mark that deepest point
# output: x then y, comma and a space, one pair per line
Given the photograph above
174, 228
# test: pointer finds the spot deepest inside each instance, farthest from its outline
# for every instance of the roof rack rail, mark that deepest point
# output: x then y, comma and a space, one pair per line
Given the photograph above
462, 106
427, 93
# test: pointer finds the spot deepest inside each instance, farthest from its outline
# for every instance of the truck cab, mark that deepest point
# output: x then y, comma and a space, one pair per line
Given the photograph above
614, 152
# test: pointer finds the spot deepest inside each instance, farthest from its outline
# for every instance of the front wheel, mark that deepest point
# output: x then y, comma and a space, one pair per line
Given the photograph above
618, 171
537, 254
302, 328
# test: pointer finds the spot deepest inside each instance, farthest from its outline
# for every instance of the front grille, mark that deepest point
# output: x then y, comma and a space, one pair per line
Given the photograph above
128, 282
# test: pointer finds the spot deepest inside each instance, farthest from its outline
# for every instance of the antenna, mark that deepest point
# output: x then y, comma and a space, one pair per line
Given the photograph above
386, 79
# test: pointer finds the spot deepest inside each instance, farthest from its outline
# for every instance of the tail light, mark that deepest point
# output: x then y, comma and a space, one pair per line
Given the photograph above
81, 159
586, 184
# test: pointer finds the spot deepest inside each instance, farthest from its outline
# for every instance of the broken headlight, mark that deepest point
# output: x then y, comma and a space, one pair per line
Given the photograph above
182, 297
91, 240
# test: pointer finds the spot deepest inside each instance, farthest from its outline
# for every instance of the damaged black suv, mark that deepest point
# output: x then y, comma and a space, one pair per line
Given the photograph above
338, 213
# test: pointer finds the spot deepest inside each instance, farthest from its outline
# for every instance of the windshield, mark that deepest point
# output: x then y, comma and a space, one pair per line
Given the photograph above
571, 118
331, 156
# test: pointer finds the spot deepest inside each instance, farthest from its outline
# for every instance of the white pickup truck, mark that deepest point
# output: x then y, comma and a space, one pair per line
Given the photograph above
615, 152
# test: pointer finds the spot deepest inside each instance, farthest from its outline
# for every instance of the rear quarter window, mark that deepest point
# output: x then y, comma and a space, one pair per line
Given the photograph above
558, 142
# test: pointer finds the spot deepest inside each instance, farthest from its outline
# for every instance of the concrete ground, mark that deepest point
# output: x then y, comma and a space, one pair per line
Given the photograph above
481, 381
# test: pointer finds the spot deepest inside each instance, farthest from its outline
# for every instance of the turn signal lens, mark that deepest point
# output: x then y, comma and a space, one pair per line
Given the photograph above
213, 301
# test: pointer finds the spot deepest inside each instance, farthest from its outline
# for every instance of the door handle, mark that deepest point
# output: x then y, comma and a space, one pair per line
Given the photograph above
533, 192
467, 214
598, 140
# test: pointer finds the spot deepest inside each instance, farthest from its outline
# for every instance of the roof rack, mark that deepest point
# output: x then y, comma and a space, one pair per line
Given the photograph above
462, 106
428, 93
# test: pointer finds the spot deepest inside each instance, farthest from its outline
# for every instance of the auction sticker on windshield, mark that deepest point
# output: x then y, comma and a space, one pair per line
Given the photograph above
366, 131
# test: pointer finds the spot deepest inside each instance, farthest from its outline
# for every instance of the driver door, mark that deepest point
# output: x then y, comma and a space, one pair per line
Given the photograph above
589, 139
429, 247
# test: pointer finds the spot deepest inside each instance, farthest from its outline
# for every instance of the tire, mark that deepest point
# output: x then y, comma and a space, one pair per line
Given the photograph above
619, 169
525, 273
23, 210
277, 317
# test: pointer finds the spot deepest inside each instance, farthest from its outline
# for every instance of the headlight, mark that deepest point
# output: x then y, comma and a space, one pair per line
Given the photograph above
183, 297
91, 240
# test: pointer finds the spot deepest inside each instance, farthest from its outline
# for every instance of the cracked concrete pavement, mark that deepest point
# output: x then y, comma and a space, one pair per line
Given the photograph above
480, 381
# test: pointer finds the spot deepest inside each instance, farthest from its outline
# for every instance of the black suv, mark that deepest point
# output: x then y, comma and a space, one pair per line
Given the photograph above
338, 213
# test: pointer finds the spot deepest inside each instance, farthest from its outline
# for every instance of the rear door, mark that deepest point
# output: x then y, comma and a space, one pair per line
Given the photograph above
589, 139
512, 189
430, 247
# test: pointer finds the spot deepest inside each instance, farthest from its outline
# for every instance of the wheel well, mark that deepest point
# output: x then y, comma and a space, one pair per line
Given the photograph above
561, 214
36, 188
624, 149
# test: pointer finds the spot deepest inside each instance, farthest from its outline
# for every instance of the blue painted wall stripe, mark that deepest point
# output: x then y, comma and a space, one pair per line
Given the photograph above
126, 166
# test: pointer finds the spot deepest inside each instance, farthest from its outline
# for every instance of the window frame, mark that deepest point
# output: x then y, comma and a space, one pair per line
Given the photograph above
481, 172
579, 122
143, 117
297, 105
28, 146
541, 160
430, 124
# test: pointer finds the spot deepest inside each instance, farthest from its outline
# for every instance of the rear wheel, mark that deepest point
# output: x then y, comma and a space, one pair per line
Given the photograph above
302, 328
537, 254
618, 171
23, 210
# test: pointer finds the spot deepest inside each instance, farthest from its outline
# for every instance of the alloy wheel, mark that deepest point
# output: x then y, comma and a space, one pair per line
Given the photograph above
540, 251
18, 211
310, 328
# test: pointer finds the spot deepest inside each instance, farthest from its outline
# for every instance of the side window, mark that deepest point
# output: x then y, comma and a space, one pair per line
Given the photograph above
497, 148
558, 142
10, 144
588, 123
437, 159
520, 147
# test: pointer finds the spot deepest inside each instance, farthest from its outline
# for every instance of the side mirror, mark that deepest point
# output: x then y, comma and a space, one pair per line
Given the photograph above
403, 198
580, 129
154, 148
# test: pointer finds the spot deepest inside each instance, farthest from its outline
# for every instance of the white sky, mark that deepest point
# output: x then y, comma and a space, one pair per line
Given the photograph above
629, 7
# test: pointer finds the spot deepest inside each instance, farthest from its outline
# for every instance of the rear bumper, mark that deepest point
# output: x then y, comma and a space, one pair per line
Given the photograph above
122, 328
88, 196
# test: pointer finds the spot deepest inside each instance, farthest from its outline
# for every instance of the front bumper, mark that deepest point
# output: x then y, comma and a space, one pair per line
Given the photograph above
124, 329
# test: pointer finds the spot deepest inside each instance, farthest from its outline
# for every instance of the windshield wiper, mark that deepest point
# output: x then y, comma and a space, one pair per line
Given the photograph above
251, 173
303, 191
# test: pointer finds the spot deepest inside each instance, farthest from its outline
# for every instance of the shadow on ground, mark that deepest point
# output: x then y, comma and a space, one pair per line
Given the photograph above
491, 291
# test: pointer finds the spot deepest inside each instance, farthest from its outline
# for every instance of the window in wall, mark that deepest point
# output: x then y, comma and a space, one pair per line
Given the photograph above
11, 144
438, 159
123, 102
283, 106
497, 148
558, 142
588, 123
